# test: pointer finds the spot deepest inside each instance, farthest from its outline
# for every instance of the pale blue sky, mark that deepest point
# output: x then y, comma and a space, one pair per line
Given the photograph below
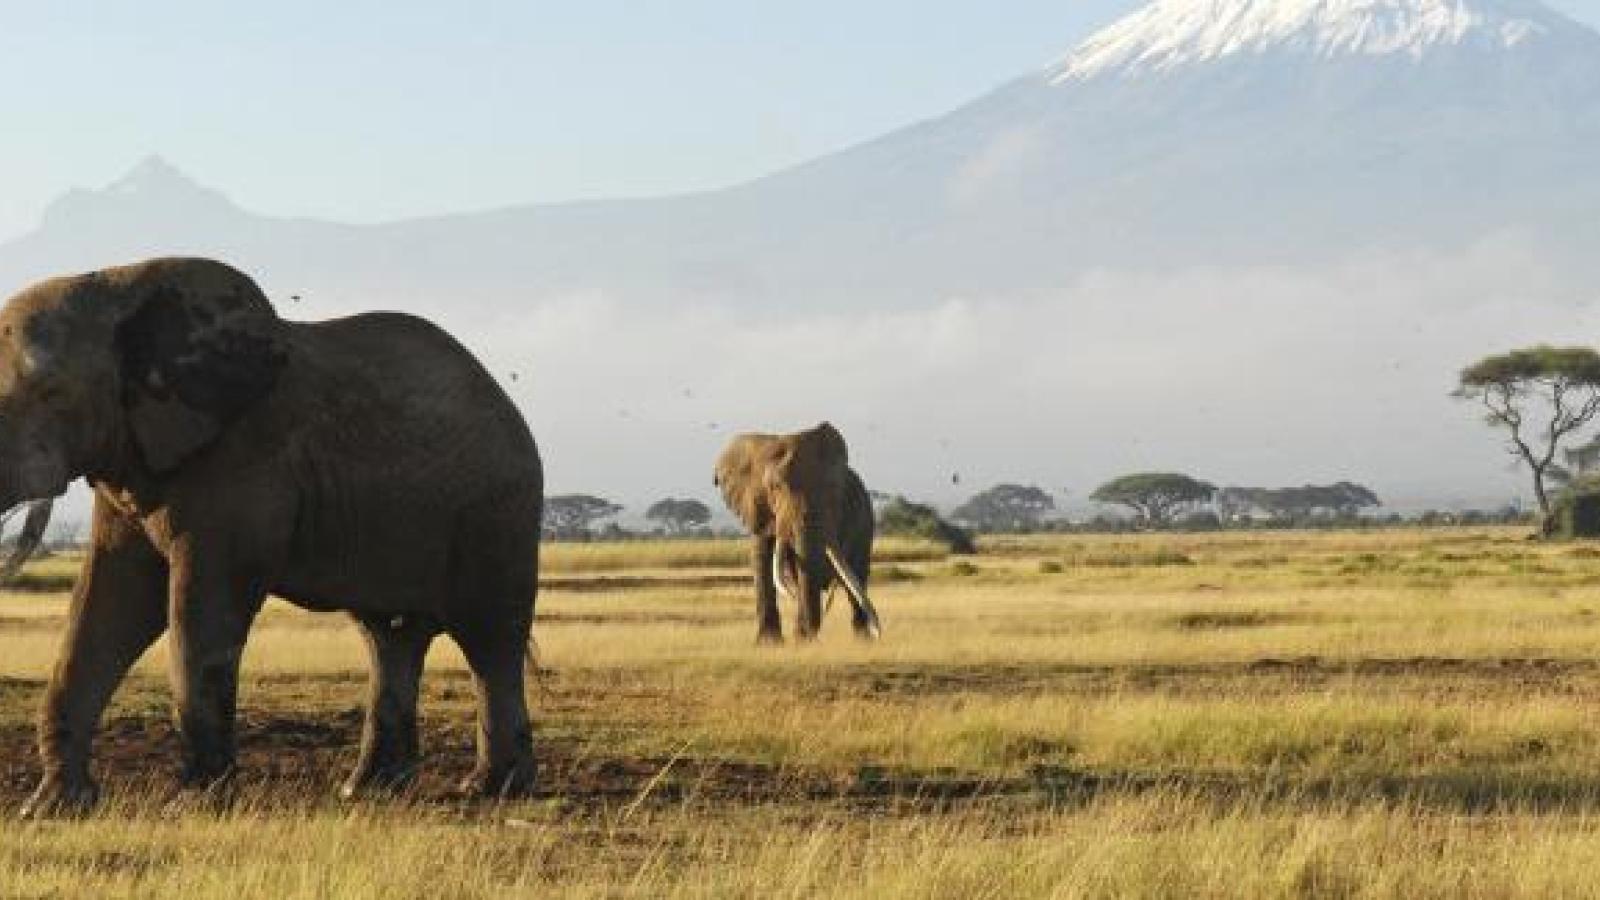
367, 110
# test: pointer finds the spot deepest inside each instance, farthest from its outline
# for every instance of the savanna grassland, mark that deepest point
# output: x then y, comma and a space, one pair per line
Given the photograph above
1384, 714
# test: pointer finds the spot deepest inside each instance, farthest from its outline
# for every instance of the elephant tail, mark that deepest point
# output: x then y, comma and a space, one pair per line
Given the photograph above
535, 673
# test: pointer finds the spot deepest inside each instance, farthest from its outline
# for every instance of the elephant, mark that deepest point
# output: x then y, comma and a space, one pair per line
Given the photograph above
811, 522
367, 464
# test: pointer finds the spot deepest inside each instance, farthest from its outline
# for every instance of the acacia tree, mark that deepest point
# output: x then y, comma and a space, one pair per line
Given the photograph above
679, 516
575, 515
1540, 396
1006, 507
1154, 496
1295, 504
1346, 499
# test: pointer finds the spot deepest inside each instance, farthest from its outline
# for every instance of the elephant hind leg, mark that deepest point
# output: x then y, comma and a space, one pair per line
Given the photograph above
495, 580
497, 653
390, 749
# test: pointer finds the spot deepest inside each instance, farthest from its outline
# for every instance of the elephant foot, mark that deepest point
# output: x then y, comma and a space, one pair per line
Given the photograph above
503, 782
205, 790
769, 638
201, 777
61, 797
380, 778
868, 631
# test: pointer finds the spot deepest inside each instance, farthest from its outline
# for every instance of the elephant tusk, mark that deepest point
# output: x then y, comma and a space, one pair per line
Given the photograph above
858, 594
28, 541
777, 571
783, 585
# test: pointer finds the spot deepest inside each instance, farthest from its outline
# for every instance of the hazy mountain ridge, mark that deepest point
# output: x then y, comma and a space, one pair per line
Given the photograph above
1255, 154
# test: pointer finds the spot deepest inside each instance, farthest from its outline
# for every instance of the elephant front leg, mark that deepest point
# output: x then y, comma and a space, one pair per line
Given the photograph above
210, 620
119, 608
769, 624
390, 751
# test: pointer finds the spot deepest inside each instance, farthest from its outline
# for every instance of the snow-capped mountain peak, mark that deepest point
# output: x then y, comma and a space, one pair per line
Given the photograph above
1171, 34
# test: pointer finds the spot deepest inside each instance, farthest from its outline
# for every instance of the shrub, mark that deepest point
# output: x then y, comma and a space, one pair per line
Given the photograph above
1577, 510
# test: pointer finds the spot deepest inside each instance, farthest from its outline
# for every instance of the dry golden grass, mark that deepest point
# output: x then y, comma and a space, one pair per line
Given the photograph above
1383, 714
605, 557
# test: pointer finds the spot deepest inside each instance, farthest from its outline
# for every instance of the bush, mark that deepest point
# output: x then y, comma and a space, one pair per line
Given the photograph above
1577, 511
902, 517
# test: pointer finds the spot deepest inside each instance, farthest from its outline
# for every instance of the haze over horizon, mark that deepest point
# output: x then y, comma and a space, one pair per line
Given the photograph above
1076, 265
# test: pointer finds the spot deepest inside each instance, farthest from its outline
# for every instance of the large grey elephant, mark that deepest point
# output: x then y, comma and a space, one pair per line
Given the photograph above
811, 522
366, 464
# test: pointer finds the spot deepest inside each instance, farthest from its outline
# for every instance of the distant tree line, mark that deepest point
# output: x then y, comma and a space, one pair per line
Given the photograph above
1167, 500
1340, 502
1146, 501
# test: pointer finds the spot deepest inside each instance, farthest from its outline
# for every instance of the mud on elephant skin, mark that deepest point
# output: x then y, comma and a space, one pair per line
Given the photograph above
366, 464
811, 522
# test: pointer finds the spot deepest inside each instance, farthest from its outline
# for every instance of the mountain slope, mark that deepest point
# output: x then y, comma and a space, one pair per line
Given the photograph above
1230, 131
1192, 132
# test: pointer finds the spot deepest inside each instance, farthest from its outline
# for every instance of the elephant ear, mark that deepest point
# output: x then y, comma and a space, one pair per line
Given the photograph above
826, 446
742, 475
198, 345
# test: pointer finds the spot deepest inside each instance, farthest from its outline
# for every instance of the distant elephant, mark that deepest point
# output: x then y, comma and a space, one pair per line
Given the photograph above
811, 521
366, 464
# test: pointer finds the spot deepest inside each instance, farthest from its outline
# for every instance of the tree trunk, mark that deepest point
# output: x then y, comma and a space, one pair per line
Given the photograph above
1547, 521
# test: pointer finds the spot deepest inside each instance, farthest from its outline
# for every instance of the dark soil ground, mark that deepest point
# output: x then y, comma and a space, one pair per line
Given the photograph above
299, 734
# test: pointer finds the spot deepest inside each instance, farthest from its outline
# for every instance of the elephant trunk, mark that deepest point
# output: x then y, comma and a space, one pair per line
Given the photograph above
811, 575
814, 564
783, 575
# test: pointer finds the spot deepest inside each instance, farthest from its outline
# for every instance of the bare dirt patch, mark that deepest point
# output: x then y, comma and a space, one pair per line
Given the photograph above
291, 762
1428, 675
